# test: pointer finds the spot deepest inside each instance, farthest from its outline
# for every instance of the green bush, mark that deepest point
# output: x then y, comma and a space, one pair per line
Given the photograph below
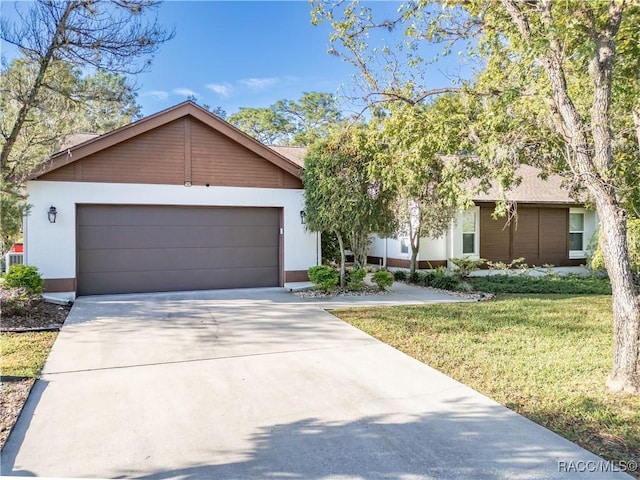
445, 282
399, 275
356, 279
382, 279
426, 279
413, 277
24, 276
560, 284
466, 266
324, 277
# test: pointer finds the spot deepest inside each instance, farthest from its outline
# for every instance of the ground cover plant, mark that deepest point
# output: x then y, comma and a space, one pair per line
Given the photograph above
544, 356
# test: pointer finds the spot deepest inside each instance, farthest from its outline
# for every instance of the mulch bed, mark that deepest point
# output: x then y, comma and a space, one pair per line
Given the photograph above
41, 316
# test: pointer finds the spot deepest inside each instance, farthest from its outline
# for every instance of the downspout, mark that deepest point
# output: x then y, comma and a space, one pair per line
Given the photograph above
384, 258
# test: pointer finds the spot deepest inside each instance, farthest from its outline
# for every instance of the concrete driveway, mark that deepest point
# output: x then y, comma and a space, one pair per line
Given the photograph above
258, 384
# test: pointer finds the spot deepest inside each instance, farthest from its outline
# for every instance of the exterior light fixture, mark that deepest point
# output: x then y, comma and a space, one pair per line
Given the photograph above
303, 215
52, 213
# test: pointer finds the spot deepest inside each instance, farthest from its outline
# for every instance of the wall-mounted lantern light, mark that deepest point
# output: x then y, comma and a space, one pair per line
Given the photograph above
52, 213
303, 215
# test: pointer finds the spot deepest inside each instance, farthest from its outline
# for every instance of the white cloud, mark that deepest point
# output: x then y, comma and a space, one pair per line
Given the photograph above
224, 90
259, 83
185, 92
159, 94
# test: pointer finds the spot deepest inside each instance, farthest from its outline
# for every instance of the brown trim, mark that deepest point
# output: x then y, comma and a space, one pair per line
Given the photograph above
187, 149
431, 264
296, 276
374, 260
398, 262
171, 114
536, 204
59, 285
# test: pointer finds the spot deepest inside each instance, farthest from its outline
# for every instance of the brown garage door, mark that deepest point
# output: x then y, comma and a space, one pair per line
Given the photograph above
127, 249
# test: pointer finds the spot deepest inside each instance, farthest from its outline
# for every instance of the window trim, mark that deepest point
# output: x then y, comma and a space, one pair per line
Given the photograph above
476, 233
408, 244
575, 254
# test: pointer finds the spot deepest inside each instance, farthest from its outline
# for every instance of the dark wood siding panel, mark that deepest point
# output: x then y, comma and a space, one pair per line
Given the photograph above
156, 156
554, 236
291, 182
217, 160
64, 174
525, 236
494, 237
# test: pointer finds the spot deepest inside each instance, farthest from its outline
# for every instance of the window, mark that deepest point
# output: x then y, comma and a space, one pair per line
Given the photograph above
469, 233
404, 245
576, 232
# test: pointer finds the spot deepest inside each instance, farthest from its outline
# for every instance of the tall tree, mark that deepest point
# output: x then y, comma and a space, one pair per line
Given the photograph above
412, 142
342, 197
111, 35
289, 122
576, 63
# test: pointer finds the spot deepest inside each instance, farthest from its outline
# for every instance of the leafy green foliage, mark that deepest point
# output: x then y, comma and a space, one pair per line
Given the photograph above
12, 208
288, 122
466, 265
548, 284
356, 279
382, 278
400, 275
342, 196
24, 276
324, 277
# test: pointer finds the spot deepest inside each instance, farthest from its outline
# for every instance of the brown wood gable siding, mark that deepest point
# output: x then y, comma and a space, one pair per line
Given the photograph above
184, 150
540, 235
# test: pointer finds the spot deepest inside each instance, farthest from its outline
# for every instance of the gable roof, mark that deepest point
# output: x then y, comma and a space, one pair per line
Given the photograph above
89, 145
295, 154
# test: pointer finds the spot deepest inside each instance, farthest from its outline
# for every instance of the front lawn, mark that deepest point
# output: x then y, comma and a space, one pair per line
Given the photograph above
545, 357
24, 354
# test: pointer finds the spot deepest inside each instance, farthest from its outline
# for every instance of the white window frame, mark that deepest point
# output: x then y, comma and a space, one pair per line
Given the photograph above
476, 233
405, 241
578, 253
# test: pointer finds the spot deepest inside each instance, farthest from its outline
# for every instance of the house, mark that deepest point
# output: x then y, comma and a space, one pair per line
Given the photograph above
550, 227
180, 200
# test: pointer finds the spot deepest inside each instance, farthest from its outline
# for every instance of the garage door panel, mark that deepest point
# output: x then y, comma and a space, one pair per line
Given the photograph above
137, 236
180, 216
141, 282
151, 248
161, 259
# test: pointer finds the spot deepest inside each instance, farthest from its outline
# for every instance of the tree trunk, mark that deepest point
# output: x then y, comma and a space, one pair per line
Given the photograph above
625, 373
414, 242
343, 258
359, 246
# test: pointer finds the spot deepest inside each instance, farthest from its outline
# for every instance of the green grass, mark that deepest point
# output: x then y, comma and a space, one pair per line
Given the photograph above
546, 357
552, 284
24, 354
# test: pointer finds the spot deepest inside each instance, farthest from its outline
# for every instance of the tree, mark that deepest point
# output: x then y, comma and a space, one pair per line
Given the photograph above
288, 122
342, 197
111, 36
70, 103
412, 143
575, 63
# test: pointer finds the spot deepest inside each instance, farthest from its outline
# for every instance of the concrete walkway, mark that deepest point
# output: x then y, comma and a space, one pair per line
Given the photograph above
251, 384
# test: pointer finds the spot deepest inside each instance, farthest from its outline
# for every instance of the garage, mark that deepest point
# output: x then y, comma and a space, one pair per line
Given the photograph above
155, 248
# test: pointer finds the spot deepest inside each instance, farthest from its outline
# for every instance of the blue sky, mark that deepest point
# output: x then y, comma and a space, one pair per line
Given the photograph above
236, 54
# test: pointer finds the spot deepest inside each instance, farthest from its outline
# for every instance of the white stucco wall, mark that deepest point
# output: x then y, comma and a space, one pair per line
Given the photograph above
52, 246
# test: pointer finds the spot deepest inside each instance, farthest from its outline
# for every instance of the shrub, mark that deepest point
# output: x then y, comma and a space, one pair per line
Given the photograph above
516, 262
356, 279
557, 284
466, 266
24, 276
426, 279
382, 279
445, 282
399, 275
413, 277
16, 301
324, 277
